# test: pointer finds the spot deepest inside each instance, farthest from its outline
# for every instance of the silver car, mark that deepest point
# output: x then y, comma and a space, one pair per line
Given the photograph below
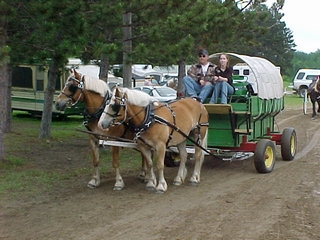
162, 93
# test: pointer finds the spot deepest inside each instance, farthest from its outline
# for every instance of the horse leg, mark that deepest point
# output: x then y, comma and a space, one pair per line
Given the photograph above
144, 174
162, 184
182, 172
313, 109
119, 185
94, 145
146, 154
198, 157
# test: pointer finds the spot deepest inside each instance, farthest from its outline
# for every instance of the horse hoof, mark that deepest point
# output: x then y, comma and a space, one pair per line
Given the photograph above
91, 186
159, 192
149, 188
176, 183
193, 183
115, 188
141, 177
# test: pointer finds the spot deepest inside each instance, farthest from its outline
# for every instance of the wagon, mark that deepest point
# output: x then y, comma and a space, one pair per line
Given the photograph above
245, 127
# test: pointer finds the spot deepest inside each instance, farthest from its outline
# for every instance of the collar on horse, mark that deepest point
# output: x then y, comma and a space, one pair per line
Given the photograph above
90, 117
147, 121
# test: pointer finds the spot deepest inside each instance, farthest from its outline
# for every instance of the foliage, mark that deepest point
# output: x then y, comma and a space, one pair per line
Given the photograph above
304, 60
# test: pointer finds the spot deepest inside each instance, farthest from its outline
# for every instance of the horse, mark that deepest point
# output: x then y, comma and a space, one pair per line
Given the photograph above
314, 95
159, 126
95, 93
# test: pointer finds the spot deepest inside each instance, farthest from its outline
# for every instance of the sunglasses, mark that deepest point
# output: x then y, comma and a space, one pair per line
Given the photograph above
201, 56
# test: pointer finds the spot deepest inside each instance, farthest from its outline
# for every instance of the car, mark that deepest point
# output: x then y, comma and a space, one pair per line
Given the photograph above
161, 93
302, 80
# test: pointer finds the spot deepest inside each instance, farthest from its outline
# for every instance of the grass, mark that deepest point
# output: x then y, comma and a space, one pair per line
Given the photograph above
20, 174
292, 101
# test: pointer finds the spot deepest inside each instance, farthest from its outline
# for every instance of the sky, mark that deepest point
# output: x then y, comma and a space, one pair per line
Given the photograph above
302, 17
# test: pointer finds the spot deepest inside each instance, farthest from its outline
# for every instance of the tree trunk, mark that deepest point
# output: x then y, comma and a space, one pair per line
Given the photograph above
127, 49
5, 103
181, 74
104, 66
48, 101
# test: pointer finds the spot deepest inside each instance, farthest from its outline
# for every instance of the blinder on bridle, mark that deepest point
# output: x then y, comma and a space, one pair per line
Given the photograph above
73, 88
115, 107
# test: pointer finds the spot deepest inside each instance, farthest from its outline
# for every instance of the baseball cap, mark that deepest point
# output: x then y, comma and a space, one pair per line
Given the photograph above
203, 52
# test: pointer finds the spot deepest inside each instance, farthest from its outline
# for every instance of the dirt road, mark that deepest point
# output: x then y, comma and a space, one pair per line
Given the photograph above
232, 201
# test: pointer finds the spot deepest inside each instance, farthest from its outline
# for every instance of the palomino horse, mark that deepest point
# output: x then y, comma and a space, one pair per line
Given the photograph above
95, 93
159, 126
314, 94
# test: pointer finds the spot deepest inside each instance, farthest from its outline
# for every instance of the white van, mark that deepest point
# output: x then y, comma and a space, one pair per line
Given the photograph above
302, 80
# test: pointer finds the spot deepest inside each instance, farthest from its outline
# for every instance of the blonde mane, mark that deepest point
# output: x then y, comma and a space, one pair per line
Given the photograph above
96, 85
136, 97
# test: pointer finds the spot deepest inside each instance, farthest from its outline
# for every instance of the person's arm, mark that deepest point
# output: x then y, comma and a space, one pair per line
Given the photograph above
226, 76
210, 73
193, 73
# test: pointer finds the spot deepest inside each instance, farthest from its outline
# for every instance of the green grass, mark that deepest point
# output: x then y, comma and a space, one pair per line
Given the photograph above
21, 175
292, 101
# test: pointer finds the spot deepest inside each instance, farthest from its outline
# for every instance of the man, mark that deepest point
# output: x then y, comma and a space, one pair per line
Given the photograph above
199, 80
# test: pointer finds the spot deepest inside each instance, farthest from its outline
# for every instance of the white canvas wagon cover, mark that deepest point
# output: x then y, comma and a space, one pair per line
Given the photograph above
265, 78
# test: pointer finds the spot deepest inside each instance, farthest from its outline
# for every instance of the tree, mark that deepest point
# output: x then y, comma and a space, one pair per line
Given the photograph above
5, 103
48, 30
104, 34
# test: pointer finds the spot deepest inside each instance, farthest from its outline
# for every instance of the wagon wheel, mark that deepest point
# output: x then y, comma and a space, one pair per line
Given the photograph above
302, 91
264, 156
288, 144
171, 159
305, 103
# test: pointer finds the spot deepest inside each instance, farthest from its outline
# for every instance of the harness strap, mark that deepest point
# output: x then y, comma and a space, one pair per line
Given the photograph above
163, 121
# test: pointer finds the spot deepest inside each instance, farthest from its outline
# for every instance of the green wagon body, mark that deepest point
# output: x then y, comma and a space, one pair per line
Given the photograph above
244, 115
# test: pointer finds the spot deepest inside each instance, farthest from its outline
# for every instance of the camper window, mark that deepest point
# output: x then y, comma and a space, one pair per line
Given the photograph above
40, 85
22, 77
246, 72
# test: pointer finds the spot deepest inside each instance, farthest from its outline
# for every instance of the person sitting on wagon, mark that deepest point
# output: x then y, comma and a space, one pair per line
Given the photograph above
198, 82
223, 84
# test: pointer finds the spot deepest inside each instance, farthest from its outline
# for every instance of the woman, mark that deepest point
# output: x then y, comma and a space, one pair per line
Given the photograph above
223, 80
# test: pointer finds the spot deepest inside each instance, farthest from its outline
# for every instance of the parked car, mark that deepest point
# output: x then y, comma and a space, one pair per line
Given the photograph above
303, 79
162, 93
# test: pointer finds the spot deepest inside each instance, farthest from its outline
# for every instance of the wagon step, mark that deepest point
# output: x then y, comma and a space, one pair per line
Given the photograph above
243, 131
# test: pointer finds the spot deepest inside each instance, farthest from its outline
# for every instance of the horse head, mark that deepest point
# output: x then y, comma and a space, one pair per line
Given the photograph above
317, 85
115, 112
71, 93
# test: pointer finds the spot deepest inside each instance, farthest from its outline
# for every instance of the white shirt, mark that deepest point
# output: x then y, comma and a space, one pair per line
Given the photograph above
205, 68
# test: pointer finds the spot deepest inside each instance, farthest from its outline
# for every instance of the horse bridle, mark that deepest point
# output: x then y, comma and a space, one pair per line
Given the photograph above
79, 86
116, 108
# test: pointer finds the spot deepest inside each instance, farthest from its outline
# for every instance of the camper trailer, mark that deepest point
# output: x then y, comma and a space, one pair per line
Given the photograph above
29, 83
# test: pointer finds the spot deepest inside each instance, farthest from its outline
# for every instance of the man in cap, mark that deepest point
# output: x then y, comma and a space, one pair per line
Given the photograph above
199, 80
